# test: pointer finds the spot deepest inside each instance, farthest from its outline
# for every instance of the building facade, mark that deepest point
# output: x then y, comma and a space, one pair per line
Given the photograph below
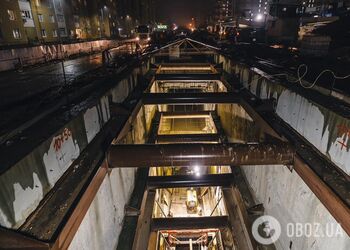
250, 10
223, 10
34, 22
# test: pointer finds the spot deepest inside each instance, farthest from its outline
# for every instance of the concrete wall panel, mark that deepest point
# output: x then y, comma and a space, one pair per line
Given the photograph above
286, 197
25, 184
328, 131
102, 223
283, 193
92, 123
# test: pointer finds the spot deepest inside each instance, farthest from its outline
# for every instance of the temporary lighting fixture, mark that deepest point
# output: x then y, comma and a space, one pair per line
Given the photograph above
259, 17
196, 170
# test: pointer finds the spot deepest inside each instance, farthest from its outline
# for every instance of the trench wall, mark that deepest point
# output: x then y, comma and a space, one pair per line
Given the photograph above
26, 183
283, 193
328, 131
102, 224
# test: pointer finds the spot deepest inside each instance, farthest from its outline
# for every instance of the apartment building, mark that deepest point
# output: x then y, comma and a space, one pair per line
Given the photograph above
12, 26
33, 22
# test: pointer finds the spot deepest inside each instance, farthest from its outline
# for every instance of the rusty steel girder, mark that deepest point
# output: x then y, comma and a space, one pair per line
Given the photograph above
194, 154
189, 98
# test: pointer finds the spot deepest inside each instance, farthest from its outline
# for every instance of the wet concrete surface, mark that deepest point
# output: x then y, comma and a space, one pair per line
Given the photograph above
16, 86
25, 94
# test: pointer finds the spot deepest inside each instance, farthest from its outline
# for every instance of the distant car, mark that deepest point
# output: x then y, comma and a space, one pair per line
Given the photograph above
143, 33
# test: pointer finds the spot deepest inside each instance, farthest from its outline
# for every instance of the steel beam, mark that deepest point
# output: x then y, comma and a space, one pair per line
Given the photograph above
176, 114
208, 154
175, 181
188, 76
183, 138
189, 98
189, 223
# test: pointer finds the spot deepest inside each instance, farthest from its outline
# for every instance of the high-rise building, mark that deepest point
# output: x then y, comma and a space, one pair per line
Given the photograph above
250, 9
226, 10
223, 10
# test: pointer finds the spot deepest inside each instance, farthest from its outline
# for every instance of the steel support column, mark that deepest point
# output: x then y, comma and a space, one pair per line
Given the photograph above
190, 154
189, 98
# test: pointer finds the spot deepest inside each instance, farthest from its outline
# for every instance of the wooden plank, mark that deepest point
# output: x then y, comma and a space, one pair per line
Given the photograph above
338, 209
153, 241
11, 240
71, 227
143, 229
239, 219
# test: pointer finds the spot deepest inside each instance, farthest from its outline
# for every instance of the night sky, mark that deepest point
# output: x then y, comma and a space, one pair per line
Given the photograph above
181, 11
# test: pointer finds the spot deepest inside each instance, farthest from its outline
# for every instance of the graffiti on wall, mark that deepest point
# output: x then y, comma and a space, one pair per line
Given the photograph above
343, 131
60, 139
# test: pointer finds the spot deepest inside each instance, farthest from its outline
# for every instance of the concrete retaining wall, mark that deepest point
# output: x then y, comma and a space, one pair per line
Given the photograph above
26, 183
103, 222
283, 193
287, 198
15, 58
326, 130
102, 225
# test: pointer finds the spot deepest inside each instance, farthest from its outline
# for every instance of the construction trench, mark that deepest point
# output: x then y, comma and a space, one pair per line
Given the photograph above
185, 151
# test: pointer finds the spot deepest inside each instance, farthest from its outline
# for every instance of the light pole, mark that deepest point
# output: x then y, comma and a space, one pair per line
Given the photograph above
102, 21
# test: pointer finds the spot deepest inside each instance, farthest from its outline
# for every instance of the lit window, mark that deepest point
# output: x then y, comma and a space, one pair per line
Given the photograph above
43, 33
54, 33
41, 18
16, 33
12, 15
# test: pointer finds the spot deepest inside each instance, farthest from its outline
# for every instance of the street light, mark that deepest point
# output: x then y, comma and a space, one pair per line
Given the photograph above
102, 20
259, 17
